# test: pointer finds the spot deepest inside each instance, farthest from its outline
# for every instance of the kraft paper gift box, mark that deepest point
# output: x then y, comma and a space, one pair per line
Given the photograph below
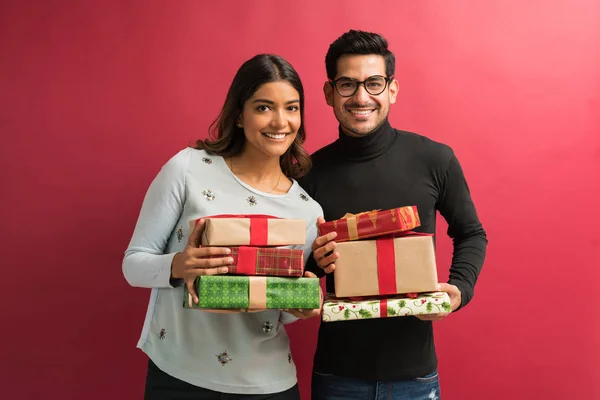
386, 266
335, 309
254, 293
252, 230
268, 261
372, 224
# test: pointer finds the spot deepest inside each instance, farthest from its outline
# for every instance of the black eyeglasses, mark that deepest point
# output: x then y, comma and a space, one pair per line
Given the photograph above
374, 85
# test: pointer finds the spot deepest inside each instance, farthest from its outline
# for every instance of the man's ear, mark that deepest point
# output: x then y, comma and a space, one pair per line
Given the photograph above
328, 92
394, 87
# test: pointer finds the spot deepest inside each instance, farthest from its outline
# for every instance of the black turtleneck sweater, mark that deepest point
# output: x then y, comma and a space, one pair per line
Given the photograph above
387, 169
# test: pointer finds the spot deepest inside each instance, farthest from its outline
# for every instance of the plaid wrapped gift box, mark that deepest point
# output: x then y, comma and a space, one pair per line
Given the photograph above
266, 261
372, 224
335, 309
254, 292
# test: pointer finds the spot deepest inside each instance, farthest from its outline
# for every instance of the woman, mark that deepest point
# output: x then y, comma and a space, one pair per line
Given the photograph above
248, 167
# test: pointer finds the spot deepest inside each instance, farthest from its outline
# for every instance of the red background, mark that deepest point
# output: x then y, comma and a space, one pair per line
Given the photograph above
97, 95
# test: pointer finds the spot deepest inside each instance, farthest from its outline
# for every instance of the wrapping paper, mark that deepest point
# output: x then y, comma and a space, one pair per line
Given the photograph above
265, 261
335, 309
252, 230
386, 266
372, 224
254, 293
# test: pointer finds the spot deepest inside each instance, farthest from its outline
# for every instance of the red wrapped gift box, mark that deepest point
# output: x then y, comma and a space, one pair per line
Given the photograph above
372, 223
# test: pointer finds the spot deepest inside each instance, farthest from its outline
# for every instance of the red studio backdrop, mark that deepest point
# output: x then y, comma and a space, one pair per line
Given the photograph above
96, 95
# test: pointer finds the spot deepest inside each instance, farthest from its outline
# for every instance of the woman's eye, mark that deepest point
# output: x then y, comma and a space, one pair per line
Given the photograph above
262, 108
293, 108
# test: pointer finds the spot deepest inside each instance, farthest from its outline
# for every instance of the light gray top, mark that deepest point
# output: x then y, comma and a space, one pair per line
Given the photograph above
246, 353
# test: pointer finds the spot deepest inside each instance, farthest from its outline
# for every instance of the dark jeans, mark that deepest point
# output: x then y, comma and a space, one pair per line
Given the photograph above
162, 386
332, 387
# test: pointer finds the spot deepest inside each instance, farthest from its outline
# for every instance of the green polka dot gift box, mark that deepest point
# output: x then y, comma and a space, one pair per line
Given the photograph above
234, 292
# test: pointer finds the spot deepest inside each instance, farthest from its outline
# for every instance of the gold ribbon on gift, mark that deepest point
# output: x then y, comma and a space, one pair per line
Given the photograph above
352, 221
257, 292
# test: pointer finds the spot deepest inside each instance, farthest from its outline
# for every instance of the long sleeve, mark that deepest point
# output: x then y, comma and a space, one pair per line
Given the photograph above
465, 229
145, 264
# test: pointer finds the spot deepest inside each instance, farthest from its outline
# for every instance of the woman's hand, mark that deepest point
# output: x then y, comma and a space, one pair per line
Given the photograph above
191, 262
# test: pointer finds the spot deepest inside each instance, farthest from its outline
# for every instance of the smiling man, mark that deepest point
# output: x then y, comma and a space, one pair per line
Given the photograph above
374, 166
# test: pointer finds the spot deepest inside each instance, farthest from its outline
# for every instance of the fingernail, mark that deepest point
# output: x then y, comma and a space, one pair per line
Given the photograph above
230, 260
227, 251
223, 270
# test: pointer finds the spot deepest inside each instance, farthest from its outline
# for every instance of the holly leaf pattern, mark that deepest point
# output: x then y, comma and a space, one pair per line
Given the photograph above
400, 306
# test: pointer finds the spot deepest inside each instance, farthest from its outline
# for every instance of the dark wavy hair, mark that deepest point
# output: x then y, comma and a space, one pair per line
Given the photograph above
227, 139
359, 42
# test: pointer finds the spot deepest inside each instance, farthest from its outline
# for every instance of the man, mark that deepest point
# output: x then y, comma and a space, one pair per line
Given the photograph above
373, 166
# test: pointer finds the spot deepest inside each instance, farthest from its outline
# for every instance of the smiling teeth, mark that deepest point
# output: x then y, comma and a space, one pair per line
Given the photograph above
361, 112
272, 136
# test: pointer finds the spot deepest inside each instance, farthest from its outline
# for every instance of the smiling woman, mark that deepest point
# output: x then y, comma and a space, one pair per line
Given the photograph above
270, 120
248, 166
267, 85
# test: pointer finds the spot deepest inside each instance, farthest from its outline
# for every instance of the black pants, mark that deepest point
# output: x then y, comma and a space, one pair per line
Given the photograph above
162, 386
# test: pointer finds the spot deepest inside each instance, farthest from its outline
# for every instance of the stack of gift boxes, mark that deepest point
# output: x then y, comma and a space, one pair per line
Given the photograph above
384, 268
263, 275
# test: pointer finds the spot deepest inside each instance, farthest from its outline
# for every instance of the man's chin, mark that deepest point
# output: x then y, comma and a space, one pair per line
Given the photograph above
358, 131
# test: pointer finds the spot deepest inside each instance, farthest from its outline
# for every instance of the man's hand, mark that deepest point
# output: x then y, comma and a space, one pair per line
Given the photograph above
306, 314
455, 300
323, 245
189, 263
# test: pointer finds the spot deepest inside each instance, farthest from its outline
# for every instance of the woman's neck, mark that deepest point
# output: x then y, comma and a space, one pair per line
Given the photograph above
260, 172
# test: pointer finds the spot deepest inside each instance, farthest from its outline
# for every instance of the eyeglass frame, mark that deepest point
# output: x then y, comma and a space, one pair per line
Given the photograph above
358, 83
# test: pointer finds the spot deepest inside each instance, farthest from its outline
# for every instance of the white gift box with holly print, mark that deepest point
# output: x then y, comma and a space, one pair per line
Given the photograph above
346, 309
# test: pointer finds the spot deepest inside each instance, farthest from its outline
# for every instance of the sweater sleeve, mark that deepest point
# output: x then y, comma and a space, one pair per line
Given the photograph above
465, 229
145, 264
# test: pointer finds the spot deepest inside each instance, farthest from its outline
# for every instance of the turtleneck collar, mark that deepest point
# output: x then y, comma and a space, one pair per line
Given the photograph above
368, 146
